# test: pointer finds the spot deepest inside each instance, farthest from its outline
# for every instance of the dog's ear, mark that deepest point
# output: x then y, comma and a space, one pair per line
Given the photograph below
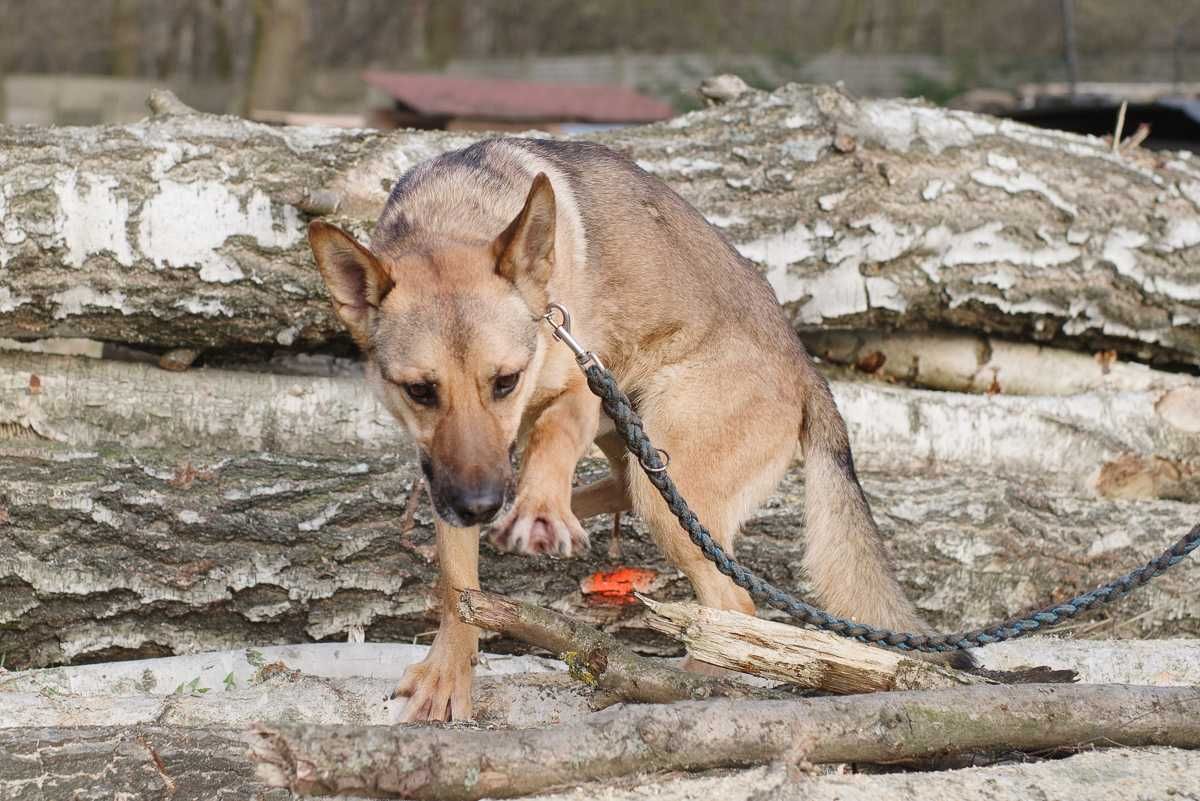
525, 250
355, 279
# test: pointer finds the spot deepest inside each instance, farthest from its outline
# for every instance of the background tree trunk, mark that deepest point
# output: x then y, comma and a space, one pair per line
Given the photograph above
277, 63
863, 213
126, 38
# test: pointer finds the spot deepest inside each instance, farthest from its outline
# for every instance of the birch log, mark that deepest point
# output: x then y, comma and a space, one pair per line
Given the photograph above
1129, 445
333, 683
186, 230
976, 363
110, 553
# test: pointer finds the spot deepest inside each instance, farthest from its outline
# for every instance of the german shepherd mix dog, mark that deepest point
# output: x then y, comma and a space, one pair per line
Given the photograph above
447, 306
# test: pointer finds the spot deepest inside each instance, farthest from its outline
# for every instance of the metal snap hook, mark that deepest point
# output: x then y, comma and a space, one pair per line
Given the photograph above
565, 325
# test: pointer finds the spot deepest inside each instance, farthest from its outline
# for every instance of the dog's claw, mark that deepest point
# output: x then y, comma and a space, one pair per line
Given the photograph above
535, 527
437, 688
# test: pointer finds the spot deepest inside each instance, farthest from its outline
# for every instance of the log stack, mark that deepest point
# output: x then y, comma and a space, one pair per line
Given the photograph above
1010, 318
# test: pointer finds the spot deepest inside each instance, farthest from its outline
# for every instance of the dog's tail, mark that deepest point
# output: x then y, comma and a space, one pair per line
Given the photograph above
847, 563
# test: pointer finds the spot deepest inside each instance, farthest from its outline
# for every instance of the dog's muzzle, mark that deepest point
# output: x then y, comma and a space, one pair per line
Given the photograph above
466, 504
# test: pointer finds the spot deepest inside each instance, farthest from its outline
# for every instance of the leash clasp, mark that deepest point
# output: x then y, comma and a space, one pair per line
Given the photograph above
562, 332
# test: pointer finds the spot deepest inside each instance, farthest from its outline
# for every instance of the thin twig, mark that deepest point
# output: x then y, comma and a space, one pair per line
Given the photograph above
410, 508
1116, 143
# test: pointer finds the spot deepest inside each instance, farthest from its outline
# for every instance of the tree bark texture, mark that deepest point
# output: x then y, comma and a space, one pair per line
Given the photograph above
1142, 444
145, 762
110, 553
186, 229
462, 765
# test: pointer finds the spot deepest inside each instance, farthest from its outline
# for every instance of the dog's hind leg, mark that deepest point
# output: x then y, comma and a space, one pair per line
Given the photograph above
608, 495
727, 454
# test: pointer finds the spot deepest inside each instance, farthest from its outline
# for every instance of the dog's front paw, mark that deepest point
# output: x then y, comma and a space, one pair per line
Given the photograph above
538, 526
438, 687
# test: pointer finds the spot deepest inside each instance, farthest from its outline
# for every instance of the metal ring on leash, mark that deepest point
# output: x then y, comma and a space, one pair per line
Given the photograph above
663, 457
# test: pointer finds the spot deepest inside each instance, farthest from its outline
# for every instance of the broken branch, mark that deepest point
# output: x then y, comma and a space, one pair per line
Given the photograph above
816, 660
595, 658
455, 764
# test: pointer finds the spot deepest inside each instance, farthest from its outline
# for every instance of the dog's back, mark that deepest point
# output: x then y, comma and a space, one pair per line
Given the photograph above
627, 244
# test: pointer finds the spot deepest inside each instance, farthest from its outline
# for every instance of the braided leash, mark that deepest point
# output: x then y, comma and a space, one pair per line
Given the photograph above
654, 463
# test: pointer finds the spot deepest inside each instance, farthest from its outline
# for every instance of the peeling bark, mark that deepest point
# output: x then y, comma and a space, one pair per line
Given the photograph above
109, 555
184, 231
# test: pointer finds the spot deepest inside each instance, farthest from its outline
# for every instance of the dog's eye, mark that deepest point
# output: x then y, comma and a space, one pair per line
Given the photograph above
424, 393
504, 384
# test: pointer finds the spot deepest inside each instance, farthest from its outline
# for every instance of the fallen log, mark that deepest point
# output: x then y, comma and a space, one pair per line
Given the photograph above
462, 764
186, 230
595, 658
309, 683
231, 551
959, 362
1130, 444
1117, 445
324, 683
520, 700
816, 660
89, 402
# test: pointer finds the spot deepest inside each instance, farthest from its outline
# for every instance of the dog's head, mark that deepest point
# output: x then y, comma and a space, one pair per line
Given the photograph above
451, 339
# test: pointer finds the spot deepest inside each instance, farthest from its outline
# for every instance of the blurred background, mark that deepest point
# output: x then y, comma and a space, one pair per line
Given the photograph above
565, 65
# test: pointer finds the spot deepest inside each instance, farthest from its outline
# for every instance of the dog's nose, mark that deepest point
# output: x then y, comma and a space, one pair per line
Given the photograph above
478, 505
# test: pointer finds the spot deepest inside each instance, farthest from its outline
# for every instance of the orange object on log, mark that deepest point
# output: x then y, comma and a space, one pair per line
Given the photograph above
617, 587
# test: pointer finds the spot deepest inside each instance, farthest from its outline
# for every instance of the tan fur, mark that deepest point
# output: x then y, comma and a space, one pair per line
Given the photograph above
472, 244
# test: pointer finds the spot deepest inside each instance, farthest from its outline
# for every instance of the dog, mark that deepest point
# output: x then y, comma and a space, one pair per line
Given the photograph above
447, 307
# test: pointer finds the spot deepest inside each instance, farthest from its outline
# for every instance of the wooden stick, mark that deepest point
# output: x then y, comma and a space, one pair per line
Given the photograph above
458, 764
595, 658
811, 659
1116, 140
